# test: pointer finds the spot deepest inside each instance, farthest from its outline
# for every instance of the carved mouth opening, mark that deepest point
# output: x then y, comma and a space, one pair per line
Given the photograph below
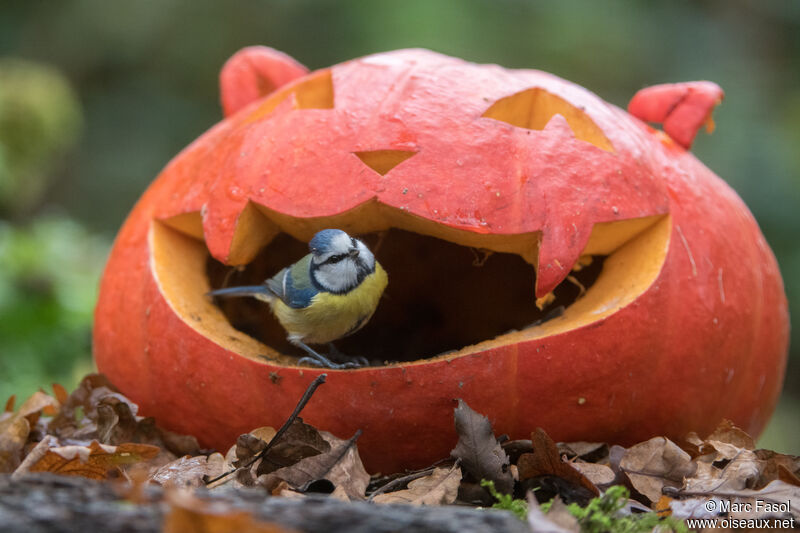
450, 292
441, 296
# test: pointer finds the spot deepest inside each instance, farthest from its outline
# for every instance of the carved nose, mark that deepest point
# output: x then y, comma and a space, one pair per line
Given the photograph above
382, 161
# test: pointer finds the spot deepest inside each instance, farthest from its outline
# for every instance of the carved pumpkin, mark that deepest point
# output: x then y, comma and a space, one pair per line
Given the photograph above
483, 192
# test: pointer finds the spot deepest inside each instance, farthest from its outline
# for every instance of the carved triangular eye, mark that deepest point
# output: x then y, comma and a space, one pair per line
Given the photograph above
316, 92
382, 161
313, 92
533, 108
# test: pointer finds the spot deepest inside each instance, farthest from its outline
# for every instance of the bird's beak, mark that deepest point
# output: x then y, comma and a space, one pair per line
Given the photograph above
353, 252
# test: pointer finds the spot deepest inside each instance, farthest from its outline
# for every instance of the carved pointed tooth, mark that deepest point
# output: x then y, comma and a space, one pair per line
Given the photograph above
559, 250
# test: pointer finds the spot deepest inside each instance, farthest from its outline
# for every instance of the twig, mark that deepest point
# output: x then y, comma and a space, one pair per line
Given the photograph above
33, 457
396, 482
289, 421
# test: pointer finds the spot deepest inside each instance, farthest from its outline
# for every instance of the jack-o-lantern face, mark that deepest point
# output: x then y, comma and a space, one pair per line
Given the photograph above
552, 260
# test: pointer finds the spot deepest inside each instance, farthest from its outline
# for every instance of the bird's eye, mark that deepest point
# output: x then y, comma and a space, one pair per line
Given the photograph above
334, 259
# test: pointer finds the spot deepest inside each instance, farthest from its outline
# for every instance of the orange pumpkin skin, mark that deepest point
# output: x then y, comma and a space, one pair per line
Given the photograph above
706, 340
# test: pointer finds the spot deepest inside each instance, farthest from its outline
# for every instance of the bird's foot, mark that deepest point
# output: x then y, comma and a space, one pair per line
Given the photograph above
334, 354
309, 360
317, 359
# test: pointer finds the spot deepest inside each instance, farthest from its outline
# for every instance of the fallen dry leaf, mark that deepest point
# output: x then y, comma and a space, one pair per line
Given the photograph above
438, 488
265, 433
741, 472
35, 455
598, 474
241, 455
175, 443
16, 427
727, 460
60, 393
546, 461
778, 466
33, 406
654, 464
190, 471
583, 449
557, 520
116, 419
285, 491
330, 466
247, 447
696, 507
348, 474
189, 514
481, 455
14, 432
729, 433
774, 500
93, 461
76, 419
515, 448
97, 411
725, 442
10, 404
777, 494
300, 441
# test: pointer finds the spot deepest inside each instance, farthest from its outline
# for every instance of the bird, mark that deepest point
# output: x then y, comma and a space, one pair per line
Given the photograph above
330, 293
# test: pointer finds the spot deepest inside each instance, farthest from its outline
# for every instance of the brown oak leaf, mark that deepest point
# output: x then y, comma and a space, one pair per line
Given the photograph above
481, 456
546, 461
653, 464
340, 466
93, 461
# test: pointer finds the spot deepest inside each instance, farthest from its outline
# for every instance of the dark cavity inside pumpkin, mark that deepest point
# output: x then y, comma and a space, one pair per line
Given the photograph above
441, 296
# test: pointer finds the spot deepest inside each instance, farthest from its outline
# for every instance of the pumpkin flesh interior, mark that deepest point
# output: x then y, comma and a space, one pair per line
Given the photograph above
451, 292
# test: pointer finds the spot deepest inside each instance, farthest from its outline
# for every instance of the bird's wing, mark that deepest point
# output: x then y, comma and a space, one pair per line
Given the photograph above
275, 283
293, 284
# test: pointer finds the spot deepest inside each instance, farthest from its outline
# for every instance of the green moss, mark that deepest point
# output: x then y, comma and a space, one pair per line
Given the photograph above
506, 501
601, 515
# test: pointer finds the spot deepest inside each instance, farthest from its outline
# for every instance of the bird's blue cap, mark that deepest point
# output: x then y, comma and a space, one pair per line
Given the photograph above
322, 240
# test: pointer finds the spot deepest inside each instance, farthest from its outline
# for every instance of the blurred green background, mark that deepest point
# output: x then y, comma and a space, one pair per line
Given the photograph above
97, 95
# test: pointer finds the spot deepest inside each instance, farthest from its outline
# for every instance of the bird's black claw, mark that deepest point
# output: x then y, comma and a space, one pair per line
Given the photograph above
330, 364
335, 355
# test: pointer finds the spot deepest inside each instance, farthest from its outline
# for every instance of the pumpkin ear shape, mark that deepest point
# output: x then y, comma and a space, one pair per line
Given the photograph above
682, 108
254, 72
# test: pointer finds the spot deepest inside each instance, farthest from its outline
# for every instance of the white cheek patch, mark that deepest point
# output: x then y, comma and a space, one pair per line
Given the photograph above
365, 256
337, 277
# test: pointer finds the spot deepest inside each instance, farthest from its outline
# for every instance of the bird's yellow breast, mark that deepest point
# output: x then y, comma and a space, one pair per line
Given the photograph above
333, 316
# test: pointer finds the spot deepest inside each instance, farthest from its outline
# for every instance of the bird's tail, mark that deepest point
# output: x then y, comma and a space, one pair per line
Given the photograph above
260, 292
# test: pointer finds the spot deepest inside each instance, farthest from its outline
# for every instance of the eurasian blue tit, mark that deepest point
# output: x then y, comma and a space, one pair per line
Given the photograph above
328, 294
